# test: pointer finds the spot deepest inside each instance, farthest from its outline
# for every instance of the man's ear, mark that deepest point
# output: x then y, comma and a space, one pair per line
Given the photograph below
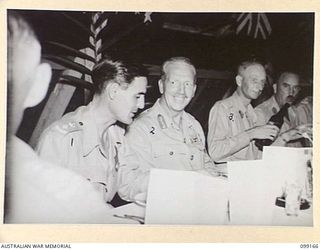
39, 86
274, 87
112, 90
160, 84
239, 80
194, 89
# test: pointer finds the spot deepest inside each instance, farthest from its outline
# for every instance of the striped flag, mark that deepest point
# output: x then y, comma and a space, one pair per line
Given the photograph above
96, 28
255, 24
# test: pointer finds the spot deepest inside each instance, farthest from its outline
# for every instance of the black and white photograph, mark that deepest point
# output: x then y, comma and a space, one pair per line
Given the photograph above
159, 118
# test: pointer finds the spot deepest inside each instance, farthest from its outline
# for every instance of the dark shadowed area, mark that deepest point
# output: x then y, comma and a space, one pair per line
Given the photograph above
212, 41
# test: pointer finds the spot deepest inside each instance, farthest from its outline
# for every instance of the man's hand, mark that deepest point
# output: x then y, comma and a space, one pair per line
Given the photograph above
302, 131
291, 134
263, 132
306, 128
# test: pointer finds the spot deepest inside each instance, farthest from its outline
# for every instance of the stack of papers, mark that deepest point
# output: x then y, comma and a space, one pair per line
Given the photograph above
186, 198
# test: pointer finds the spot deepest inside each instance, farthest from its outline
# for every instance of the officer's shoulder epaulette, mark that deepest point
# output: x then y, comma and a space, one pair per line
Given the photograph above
192, 120
262, 107
190, 117
143, 115
227, 103
145, 120
266, 105
68, 126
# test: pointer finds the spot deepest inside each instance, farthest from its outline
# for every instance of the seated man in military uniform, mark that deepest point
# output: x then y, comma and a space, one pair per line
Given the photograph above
165, 136
299, 119
233, 123
87, 140
37, 191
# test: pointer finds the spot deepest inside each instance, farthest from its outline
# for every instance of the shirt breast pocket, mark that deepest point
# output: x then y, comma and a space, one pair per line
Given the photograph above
170, 156
177, 156
161, 150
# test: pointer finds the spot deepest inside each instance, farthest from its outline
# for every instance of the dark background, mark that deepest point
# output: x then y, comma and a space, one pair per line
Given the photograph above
208, 39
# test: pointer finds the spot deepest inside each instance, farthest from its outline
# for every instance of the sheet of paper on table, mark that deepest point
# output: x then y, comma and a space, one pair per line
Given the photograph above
251, 195
289, 164
255, 185
186, 198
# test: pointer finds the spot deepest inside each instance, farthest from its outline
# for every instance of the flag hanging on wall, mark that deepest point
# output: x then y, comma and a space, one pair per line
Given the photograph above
255, 24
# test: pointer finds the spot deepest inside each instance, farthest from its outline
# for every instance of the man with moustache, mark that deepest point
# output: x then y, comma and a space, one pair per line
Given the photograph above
286, 90
165, 136
87, 140
233, 121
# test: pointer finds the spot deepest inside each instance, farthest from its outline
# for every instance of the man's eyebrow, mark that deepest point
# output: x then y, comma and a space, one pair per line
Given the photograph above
141, 93
258, 78
255, 76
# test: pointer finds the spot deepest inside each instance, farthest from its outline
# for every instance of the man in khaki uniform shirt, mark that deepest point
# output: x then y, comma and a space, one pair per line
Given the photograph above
165, 136
37, 191
233, 122
286, 91
87, 140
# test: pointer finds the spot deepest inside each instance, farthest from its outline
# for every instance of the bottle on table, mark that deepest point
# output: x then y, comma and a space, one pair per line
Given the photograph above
277, 120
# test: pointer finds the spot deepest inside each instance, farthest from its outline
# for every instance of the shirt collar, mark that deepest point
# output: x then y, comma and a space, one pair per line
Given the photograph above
239, 102
246, 110
163, 110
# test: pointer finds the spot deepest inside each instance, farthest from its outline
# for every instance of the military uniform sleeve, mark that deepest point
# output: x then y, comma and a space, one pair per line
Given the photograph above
133, 176
209, 166
221, 142
51, 147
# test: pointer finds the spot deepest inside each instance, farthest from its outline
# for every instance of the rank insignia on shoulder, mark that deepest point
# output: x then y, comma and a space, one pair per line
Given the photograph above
72, 124
67, 127
231, 117
162, 122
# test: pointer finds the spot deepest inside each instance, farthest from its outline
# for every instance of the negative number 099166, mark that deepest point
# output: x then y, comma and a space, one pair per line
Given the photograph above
308, 245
